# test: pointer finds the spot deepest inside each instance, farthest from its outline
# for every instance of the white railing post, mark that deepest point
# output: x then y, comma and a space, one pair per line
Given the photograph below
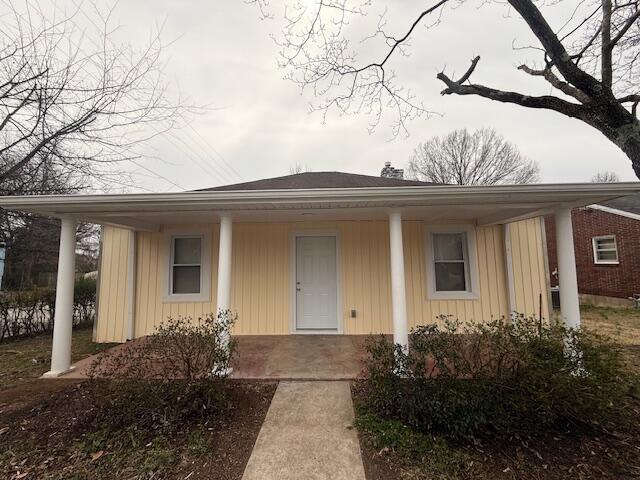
63, 319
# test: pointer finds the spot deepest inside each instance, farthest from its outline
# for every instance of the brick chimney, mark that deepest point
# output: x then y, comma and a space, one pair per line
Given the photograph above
389, 172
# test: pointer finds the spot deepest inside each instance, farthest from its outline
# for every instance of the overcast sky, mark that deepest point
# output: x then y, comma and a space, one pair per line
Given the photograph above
223, 57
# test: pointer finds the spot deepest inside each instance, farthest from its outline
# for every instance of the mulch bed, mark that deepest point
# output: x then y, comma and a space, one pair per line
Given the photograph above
50, 432
606, 455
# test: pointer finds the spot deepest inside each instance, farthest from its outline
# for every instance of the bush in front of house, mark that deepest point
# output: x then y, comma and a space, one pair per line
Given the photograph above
497, 378
178, 372
28, 312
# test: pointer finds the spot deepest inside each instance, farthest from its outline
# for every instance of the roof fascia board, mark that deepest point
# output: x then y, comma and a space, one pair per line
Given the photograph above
615, 211
498, 194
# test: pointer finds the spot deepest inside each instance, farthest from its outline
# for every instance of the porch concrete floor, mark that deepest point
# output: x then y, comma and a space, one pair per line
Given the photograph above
282, 357
299, 357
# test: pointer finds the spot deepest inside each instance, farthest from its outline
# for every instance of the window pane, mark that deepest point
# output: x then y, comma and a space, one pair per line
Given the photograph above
606, 243
186, 280
187, 250
607, 255
448, 246
450, 277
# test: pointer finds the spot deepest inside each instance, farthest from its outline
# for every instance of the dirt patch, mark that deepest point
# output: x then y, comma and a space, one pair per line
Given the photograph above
61, 433
381, 464
29, 392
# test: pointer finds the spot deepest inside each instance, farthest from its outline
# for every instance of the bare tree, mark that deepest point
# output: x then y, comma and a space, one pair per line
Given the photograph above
297, 168
464, 158
605, 177
32, 240
74, 95
590, 62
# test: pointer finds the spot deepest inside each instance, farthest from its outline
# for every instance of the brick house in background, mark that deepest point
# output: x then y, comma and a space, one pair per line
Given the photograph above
607, 245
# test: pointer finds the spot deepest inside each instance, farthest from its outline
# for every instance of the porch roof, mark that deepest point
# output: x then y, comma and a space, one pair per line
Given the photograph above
484, 205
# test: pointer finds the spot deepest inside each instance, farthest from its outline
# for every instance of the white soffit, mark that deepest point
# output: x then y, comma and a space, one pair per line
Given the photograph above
502, 202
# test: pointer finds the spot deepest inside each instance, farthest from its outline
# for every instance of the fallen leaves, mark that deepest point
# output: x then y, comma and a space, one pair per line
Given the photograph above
95, 456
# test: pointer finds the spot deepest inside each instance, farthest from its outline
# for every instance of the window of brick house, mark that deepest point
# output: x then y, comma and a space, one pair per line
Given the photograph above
605, 250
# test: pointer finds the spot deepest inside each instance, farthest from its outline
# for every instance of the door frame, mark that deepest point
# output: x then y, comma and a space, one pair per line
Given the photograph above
294, 260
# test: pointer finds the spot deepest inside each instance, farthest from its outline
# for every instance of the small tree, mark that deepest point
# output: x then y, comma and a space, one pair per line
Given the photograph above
605, 177
463, 158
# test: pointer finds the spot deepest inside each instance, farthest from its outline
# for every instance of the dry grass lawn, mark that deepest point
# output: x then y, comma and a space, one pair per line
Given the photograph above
25, 359
621, 324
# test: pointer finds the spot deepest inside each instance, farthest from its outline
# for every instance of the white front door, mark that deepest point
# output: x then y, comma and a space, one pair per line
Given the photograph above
316, 283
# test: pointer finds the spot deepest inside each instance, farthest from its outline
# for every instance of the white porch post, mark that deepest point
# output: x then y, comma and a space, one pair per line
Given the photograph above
63, 319
568, 279
398, 296
223, 297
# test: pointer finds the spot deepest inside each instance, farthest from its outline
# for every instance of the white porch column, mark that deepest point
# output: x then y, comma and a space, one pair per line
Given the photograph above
398, 295
568, 279
63, 319
224, 265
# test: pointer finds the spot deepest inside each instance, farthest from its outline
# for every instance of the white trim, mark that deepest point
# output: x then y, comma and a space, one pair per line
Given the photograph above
205, 266
293, 305
131, 285
547, 270
96, 318
85, 206
594, 245
471, 263
508, 257
615, 211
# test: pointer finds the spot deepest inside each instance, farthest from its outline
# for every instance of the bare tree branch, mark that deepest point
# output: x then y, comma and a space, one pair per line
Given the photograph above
592, 58
564, 87
75, 94
547, 101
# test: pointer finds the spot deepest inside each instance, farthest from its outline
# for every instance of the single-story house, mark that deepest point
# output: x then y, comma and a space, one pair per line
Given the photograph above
607, 245
319, 252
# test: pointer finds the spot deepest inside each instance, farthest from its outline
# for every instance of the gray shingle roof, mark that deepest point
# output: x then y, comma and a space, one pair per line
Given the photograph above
629, 204
310, 180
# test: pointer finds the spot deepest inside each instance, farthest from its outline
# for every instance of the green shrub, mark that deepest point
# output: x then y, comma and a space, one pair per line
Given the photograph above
178, 372
501, 377
27, 312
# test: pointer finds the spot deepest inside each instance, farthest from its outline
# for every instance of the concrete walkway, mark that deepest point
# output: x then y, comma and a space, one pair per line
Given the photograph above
306, 435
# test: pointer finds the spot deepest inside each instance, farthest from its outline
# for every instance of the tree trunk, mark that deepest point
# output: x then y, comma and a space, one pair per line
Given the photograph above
619, 125
632, 148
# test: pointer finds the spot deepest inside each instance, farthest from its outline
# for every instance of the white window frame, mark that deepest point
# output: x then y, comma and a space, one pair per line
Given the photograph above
594, 244
205, 267
470, 263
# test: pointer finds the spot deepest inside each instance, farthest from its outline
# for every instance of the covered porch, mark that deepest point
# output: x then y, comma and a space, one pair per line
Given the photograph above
281, 357
331, 355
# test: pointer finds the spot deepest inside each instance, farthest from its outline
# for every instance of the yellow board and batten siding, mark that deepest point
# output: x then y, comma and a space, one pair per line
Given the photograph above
262, 285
